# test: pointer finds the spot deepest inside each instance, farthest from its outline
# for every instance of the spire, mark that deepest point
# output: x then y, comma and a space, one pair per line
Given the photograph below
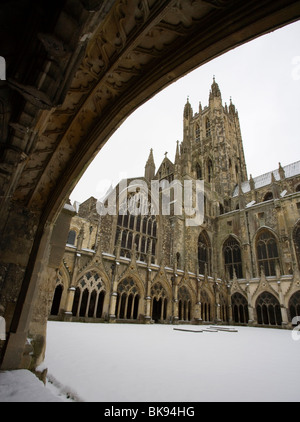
150, 167
215, 90
188, 111
150, 160
231, 107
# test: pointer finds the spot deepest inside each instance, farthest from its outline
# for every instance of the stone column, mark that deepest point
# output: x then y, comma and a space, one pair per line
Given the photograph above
114, 294
148, 297
175, 298
284, 314
250, 307
217, 298
69, 302
197, 311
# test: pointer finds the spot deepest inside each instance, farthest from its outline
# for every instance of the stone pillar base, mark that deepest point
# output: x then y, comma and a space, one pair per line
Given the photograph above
112, 318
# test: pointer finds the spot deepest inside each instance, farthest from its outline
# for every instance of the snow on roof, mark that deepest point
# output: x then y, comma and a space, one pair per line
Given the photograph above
265, 179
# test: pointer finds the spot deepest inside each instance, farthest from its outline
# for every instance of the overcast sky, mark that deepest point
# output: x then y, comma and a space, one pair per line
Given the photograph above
263, 79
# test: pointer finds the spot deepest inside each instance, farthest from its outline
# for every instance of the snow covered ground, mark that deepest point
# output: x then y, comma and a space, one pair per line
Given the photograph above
24, 386
134, 363
155, 363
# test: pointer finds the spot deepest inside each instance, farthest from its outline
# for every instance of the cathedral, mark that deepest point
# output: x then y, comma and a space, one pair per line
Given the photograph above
239, 265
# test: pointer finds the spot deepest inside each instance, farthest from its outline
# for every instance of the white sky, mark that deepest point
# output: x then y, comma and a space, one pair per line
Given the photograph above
263, 79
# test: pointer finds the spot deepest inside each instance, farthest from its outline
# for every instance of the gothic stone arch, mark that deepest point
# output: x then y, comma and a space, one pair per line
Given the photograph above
71, 110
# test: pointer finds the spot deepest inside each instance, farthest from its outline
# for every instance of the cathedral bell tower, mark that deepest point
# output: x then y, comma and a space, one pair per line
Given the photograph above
212, 144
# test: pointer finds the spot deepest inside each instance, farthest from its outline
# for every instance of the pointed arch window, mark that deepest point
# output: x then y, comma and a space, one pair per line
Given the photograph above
267, 252
159, 302
198, 171
89, 296
204, 253
240, 313
184, 304
206, 307
71, 237
207, 128
268, 310
233, 258
197, 133
143, 236
128, 298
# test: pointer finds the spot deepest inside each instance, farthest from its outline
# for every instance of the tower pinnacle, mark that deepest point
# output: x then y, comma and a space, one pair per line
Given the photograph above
150, 167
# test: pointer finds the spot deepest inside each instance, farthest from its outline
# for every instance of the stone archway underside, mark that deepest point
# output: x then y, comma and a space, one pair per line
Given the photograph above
75, 70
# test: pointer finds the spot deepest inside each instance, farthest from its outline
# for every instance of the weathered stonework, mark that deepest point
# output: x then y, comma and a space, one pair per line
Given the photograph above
75, 70
240, 266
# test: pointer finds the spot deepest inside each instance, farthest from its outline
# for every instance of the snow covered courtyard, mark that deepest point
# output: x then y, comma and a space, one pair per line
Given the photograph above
155, 363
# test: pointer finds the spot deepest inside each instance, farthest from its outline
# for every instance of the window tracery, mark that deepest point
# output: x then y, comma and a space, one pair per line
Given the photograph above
267, 252
89, 296
233, 258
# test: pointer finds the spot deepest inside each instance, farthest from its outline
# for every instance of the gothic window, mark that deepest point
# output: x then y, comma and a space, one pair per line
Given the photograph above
204, 253
159, 302
267, 252
89, 296
71, 237
198, 171
296, 238
298, 188
233, 258
128, 298
184, 304
207, 127
239, 304
268, 310
139, 231
294, 305
197, 133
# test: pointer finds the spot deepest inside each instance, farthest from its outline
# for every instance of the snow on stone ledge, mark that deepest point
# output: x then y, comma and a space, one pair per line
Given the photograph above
23, 386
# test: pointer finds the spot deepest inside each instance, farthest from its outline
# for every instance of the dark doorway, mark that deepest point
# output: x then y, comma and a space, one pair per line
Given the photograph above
56, 300
156, 309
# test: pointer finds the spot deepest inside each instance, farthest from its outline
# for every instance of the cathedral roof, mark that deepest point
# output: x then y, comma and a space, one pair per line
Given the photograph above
265, 179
